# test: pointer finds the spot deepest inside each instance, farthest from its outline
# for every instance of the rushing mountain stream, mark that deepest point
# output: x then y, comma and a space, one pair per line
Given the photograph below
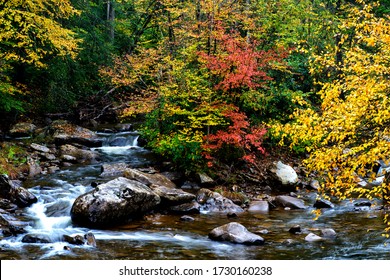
166, 236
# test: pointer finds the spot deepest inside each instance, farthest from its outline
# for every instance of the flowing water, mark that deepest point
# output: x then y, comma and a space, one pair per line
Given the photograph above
161, 236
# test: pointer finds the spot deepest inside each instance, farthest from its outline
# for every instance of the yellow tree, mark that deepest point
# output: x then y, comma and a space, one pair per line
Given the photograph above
349, 133
30, 31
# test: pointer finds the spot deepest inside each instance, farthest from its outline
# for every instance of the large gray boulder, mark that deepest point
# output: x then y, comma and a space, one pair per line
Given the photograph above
13, 191
64, 132
114, 202
214, 202
235, 233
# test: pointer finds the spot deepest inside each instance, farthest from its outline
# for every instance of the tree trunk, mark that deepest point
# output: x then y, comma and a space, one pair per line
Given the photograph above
111, 19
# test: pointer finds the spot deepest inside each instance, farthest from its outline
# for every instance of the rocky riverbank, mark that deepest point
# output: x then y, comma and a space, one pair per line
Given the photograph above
124, 194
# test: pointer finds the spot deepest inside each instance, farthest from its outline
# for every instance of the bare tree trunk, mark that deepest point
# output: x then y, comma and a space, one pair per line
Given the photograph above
111, 19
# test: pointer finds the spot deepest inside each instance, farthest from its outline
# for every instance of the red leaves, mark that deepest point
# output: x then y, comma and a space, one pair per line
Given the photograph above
240, 64
238, 135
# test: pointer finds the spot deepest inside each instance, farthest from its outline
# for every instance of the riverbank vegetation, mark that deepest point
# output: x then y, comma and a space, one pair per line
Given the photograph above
216, 83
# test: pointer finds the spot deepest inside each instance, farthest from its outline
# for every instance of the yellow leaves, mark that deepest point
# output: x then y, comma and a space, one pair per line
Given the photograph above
32, 29
350, 133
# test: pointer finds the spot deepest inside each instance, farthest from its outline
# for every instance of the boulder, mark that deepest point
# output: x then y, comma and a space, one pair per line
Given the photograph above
40, 148
67, 133
23, 129
36, 238
214, 202
259, 206
148, 179
290, 202
13, 191
284, 174
114, 202
80, 155
187, 208
113, 169
235, 233
172, 196
323, 203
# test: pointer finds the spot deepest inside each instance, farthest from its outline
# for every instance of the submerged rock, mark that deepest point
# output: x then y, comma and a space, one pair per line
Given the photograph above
112, 203
235, 233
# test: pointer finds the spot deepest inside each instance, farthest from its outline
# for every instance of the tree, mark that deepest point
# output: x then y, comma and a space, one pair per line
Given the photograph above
348, 134
31, 32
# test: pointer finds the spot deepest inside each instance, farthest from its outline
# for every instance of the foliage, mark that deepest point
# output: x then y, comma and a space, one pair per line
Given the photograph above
12, 159
31, 32
349, 134
238, 141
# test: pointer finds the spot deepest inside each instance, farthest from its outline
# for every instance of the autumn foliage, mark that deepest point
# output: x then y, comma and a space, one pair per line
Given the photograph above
348, 135
239, 136
239, 64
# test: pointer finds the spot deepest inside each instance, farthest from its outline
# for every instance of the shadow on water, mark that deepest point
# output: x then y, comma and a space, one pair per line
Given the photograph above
161, 236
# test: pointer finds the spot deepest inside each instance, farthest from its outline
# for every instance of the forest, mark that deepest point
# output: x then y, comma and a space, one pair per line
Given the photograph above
216, 86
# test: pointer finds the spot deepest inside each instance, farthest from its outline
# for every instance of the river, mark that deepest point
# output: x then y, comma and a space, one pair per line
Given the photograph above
163, 236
